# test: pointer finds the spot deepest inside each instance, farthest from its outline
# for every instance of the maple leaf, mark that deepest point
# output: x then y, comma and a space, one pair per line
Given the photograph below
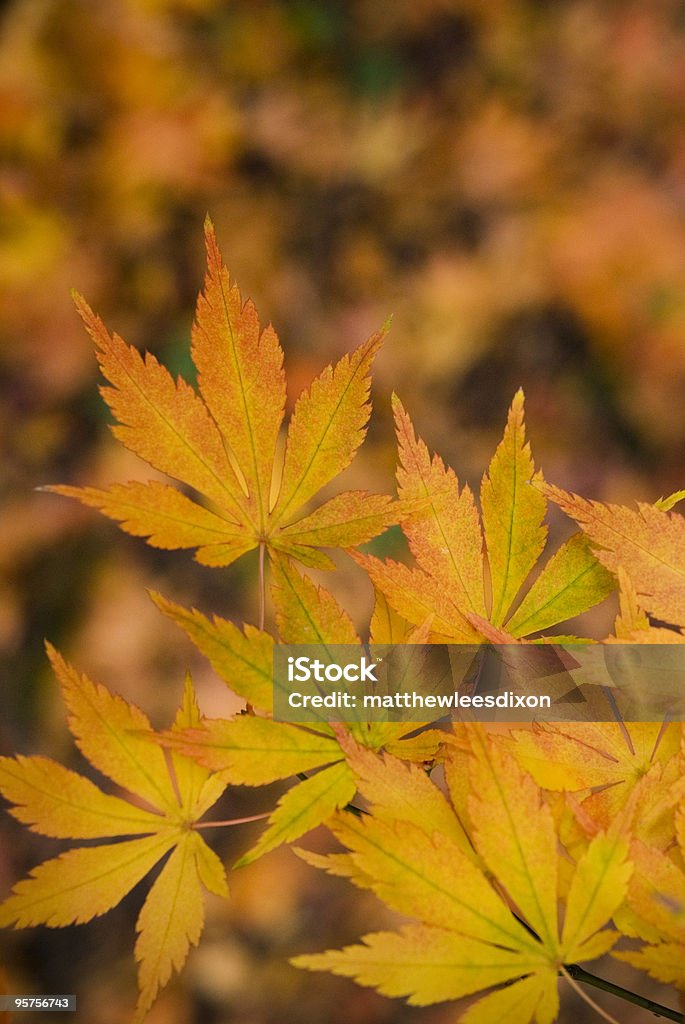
583, 755
648, 543
614, 759
467, 938
252, 750
222, 441
448, 537
86, 882
609, 758
657, 898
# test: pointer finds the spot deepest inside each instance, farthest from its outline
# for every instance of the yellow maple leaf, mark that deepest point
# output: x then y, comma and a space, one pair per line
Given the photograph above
85, 882
448, 539
254, 750
606, 762
656, 897
222, 441
468, 938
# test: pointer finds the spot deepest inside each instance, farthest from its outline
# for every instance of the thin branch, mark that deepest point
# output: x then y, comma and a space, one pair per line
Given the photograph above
230, 821
586, 998
574, 971
580, 974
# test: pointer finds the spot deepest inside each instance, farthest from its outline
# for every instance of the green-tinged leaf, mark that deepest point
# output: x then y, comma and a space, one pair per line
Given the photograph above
420, 748
513, 510
571, 582
327, 427
302, 808
515, 834
305, 613
666, 504
429, 875
647, 542
598, 889
243, 659
344, 521
114, 736
252, 751
303, 553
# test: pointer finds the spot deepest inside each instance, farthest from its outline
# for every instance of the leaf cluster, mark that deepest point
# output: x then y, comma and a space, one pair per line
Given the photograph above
544, 847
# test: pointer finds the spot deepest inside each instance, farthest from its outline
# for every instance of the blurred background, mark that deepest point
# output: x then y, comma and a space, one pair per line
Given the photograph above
506, 177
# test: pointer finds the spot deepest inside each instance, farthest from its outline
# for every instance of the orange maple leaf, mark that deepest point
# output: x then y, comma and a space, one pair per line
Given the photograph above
647, 542
471, 567
222, 441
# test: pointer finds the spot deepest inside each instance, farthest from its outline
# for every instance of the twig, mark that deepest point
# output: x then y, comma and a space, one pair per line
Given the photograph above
586, 998
580, 974
230, 821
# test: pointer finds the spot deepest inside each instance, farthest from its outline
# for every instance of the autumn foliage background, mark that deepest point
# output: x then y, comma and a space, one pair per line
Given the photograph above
507, 179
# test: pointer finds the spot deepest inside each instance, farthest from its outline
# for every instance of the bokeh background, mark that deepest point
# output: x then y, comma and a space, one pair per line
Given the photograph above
506, 177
